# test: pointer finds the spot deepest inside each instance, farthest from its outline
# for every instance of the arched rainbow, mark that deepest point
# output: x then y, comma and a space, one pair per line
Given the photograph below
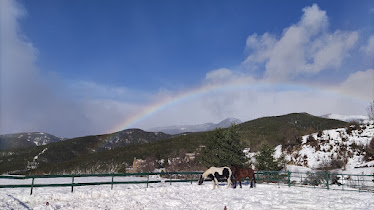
206, 89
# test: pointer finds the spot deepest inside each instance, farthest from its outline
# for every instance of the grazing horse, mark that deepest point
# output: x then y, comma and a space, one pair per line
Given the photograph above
241, 173
217, 173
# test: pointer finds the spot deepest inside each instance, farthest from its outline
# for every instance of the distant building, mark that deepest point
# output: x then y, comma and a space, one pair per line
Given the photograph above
190, 156
136, 165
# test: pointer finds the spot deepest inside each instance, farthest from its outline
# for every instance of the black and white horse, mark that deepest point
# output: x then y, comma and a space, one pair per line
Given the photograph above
216, 174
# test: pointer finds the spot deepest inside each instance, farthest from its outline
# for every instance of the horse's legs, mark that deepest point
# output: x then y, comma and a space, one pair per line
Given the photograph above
240, 182
251, 180
228, 182
215, 182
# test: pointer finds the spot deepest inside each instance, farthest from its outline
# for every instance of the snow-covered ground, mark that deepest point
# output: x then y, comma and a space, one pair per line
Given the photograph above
342, 144
180, 196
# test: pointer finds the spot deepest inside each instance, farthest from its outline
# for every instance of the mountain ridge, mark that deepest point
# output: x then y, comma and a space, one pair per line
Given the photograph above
27, 139
178, 129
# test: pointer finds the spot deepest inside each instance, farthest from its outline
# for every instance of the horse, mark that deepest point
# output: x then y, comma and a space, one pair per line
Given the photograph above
241, 173
217, 173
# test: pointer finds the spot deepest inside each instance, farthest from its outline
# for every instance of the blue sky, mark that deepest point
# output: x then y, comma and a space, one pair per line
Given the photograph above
165, 43
105, 61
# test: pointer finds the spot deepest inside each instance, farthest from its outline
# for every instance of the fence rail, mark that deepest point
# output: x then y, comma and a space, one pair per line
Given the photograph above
354, 182
333, 181
167, 178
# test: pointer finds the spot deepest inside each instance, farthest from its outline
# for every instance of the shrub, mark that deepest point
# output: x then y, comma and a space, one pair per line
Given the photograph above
336, 164
318, 148
334, 179
314, 179
312, 141
349, 130
369, 154
332, 164
356, 147
371, 144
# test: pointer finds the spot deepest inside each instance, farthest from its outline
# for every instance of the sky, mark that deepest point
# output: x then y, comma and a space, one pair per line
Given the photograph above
75, 68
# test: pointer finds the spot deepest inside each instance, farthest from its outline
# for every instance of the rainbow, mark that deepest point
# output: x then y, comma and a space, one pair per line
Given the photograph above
164, 104
206, 89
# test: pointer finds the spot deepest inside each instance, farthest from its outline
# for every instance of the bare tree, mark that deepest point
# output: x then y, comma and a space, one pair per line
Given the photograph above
370, 110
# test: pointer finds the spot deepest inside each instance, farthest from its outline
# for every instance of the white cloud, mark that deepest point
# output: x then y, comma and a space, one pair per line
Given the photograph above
313, 20
219, 75
92, 90
359, 84
260, 48
368, 48
33, 100
304, 48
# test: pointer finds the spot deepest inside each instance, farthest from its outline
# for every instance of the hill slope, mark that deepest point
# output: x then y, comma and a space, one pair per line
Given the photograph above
283, 129
23, 140
97, 154
25, 159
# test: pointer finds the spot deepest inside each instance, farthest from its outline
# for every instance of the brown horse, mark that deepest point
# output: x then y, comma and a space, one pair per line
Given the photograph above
241, 173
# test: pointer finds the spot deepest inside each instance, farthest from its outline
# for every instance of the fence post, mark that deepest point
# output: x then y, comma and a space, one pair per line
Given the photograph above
170, 177
147, 180
32, 185
358, 183
112, 181
327, 180
72, 184
278, 177
289, 178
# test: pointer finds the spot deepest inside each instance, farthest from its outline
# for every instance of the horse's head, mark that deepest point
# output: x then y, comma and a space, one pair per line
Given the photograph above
233, 169
201, 180
232, 179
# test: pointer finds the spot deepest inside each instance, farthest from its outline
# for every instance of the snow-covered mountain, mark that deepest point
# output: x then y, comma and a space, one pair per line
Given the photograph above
347, 118
342, 148
23, 140
176, 129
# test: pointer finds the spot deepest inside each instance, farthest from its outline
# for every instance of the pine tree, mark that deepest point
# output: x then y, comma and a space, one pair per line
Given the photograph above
265, 160
224, 148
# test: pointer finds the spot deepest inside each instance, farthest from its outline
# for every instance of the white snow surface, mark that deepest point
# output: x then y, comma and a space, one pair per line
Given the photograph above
180, 196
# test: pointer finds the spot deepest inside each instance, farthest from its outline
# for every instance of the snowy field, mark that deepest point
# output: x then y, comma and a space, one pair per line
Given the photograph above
182, 196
